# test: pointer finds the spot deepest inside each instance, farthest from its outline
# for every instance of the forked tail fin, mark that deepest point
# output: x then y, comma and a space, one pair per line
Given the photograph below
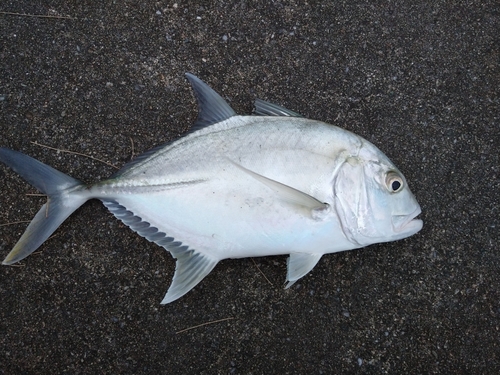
64, 196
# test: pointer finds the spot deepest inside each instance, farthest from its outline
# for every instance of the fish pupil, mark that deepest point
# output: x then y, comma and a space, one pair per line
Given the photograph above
395, 185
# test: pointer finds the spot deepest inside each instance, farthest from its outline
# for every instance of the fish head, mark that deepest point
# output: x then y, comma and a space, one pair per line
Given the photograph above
373, 200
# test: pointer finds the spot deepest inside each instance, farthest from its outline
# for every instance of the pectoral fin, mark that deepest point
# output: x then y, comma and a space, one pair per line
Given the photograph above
287, 193
299, 264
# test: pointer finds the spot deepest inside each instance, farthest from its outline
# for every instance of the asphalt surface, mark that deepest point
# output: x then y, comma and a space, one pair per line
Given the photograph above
419, 79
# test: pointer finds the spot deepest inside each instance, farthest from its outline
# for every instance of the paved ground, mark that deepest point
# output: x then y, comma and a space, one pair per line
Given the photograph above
419, 79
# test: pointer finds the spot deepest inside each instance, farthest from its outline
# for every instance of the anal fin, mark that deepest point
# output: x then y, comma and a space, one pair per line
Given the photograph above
191, 267
299, 264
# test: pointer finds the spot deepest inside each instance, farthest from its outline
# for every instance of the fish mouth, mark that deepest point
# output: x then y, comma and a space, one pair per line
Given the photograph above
407, 223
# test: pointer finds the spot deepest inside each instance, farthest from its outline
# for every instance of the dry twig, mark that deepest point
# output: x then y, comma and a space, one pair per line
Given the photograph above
255, 264
76, 153
15, 222
203, 324
37, 15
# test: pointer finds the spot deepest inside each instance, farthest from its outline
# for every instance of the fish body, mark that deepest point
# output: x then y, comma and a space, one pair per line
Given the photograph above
240, 186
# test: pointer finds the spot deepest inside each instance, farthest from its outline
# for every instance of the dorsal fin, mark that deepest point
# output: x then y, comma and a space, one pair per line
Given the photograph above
211, 107
211, 110
263, 108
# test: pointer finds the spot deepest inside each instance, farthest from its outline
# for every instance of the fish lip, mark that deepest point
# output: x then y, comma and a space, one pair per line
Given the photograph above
407, 223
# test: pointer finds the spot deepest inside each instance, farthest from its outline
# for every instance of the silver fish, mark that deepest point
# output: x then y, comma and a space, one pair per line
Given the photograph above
239, 186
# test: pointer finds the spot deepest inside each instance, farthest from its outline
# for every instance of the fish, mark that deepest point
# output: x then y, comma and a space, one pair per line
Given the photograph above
237, 186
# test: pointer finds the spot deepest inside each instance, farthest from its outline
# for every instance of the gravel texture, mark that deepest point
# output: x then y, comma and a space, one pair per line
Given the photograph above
420, 79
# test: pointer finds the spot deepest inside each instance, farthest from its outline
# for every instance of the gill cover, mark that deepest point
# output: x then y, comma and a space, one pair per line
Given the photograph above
352, 201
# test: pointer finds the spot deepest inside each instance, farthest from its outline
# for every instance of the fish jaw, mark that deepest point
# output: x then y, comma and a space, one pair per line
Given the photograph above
407, 225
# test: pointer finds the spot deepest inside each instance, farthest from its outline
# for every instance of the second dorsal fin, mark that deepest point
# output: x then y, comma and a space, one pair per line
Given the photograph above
263, 108
211, 107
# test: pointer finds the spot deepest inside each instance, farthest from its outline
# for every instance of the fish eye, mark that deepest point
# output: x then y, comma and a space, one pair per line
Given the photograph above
394, 182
